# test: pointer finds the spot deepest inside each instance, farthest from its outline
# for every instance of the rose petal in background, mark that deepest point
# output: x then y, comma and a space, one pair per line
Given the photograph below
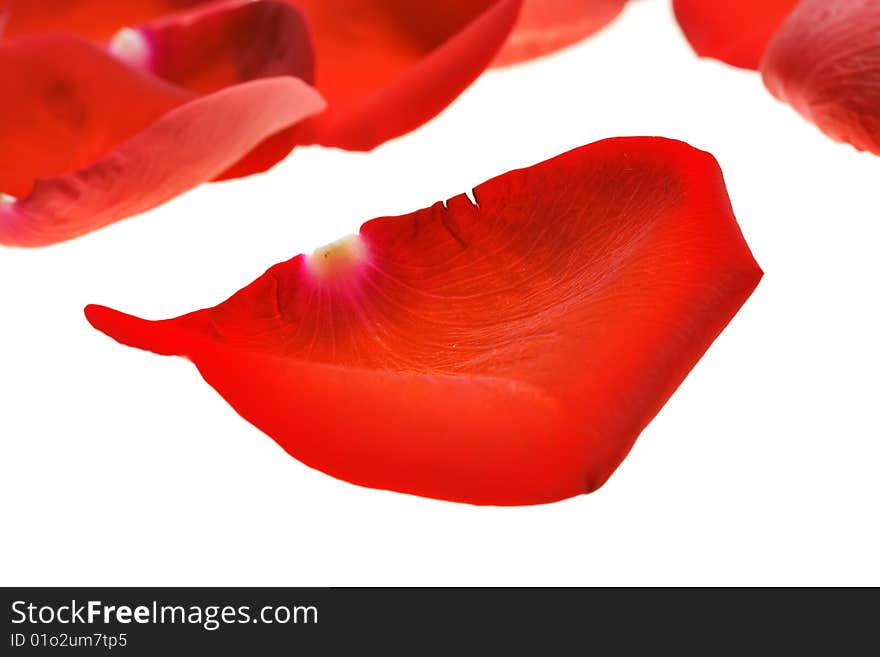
736, 32
222, 44
89, 140
507, 351
97, 20
66, 103
545, 26
825, 62
386, 67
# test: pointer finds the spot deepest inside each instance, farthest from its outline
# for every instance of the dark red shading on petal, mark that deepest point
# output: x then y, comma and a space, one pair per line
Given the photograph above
387, 66
736, 32
545, 26
825, 62
97, 20
222, 44
103, 141
508, 352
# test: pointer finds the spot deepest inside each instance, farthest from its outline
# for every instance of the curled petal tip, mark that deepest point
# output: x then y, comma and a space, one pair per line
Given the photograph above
121, 327
156, 336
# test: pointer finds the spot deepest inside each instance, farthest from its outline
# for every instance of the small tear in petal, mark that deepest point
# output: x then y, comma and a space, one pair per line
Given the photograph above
473, 199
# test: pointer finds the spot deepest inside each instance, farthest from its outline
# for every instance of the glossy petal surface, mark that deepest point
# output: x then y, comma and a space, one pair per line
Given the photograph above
735, 32
545, 26
825, 62
103, 141
387, 66
97, 20
508, 352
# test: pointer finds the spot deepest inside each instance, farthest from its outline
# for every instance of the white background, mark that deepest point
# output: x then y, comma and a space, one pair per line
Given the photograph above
120, 467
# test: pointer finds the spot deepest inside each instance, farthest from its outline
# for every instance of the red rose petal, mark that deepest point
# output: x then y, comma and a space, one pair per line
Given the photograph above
388, 66
104, 141
545, 26
825, 62
736, 32
97, 20
66, 103
508, 352
414, 59
222, 44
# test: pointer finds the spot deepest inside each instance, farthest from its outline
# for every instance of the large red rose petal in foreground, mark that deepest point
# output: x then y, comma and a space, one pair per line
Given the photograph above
89, 140
504, 352
825, 62
736, 32
545, 26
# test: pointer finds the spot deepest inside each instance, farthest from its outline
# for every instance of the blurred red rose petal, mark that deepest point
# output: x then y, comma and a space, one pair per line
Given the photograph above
545, 26
103, 141
734, 32
508, 352
825, 62
66, 103
97, 20
386, 67
222, 44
